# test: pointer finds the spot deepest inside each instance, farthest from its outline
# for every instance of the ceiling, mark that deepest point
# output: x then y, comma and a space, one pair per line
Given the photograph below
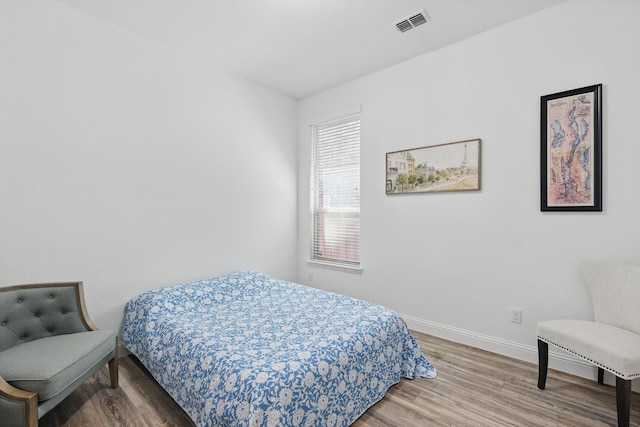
300, 47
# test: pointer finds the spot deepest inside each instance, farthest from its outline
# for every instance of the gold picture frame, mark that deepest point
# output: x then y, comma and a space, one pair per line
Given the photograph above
453, 166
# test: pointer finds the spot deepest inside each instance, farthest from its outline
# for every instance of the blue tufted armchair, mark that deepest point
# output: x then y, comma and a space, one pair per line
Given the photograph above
48, 347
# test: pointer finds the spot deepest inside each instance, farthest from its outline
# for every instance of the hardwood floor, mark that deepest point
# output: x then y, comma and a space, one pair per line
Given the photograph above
473, 388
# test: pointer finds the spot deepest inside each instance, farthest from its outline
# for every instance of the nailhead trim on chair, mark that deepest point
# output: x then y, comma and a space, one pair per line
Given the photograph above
613, 371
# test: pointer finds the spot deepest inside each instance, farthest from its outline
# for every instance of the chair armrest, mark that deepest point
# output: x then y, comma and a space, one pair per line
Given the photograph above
18, 406
84, 313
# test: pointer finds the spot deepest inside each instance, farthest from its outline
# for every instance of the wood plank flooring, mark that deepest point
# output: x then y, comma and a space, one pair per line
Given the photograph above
473, 388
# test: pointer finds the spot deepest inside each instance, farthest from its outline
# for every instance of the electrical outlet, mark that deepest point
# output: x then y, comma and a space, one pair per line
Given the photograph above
516, 315
311, 277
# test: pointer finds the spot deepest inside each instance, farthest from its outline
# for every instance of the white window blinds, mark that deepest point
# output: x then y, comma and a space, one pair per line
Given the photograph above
335, 191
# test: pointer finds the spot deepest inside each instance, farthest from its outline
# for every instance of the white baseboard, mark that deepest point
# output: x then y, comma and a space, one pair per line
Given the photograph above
529, 353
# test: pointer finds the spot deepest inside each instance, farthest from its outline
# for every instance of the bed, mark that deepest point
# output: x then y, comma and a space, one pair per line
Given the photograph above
245, 349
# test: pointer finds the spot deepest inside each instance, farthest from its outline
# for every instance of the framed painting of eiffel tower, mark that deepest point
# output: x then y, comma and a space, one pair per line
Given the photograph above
454, 166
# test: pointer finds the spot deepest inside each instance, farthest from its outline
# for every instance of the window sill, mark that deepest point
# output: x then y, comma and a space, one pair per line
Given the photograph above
334, 266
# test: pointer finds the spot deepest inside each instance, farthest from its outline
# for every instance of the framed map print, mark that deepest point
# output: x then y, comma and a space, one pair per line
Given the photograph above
571, 150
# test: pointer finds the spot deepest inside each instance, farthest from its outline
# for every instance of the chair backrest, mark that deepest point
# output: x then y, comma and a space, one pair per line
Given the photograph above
30, 312
615, 292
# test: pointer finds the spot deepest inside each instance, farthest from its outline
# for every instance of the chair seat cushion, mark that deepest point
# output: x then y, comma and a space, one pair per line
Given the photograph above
48, 365
614, 349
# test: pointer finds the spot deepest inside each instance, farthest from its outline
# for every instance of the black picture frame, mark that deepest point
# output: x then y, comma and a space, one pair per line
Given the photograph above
571, 150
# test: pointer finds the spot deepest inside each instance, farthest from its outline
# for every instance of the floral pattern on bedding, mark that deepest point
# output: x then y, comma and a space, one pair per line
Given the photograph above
245, 349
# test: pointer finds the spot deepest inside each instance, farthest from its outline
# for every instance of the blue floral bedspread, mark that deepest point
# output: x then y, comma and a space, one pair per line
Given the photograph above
245, 349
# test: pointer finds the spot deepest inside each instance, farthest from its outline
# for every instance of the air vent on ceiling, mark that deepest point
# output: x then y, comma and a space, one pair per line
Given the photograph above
412, 21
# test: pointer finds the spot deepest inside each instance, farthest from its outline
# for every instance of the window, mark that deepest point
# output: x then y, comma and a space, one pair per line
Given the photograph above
335, 192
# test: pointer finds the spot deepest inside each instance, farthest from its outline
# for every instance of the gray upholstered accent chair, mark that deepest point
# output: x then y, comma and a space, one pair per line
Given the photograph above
612, 341
48, 347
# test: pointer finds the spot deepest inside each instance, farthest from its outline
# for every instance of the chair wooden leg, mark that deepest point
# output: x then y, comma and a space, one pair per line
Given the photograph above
113, 368
32, 414
113, 372
600, 376
543, 361
623, 401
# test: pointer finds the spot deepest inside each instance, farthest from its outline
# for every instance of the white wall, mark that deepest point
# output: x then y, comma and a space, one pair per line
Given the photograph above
123, 165
454, 263
126, 167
